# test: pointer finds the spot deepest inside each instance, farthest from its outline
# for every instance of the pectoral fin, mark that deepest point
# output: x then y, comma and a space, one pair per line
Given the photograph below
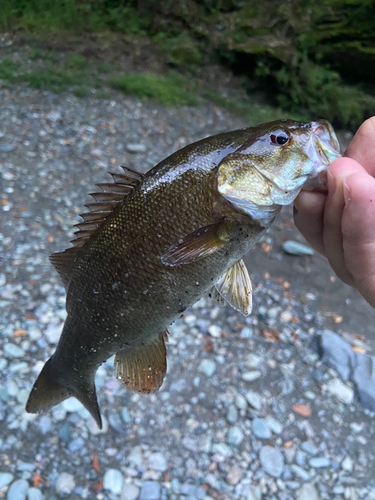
142, 369
196, 245
235, 288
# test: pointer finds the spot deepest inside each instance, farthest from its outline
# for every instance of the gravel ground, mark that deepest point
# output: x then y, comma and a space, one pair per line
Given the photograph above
248, 409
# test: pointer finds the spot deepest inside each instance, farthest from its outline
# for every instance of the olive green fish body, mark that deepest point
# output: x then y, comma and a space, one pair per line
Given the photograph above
182, 230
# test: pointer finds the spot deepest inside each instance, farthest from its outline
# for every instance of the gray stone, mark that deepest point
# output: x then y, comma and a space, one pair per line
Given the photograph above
25, 466
309, 448
18, 490
274, 425
45, 424
34, 494
126, 417
307, 492
253, 361
232, 415
235, 436
240, 402
294, 248
65, 483
301, 473
129, 492
150, 491
175, 486
5, 478
340, 390
6, 148
234, 475
319, 462
222, 449
53, 333
135, 457
364, 378
207, 367
136, 148
254, 400
113, 481
254, 493
72, 405
260, 428
157, 461
347, 464
251, 376
271, 461
337, 353
13, 351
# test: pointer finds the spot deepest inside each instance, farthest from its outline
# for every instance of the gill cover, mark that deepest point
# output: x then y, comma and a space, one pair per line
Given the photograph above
269, 172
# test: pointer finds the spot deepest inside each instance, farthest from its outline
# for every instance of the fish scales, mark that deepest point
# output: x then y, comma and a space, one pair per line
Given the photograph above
181, 230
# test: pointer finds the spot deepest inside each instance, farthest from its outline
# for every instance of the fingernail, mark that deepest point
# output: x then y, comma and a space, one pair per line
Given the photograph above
331, 185
347, 194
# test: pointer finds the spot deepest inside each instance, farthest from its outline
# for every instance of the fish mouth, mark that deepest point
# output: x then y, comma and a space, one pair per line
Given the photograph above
322, 148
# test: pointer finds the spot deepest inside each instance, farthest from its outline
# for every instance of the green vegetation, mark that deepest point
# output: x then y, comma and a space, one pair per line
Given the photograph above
168, 89
315, 57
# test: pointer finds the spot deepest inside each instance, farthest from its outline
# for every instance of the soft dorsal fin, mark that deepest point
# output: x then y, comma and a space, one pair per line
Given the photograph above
105, 203
142, 369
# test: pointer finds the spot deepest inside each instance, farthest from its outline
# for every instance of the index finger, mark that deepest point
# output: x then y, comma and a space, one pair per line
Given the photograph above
362, 147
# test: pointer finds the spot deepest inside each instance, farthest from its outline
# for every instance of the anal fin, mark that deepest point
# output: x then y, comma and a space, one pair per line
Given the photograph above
235, 287
142, 369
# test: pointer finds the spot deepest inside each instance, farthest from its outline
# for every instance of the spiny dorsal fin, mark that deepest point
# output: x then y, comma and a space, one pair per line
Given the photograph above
142, 369
113, 194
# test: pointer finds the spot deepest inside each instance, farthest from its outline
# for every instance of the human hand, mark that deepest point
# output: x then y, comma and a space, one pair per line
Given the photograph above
340, 224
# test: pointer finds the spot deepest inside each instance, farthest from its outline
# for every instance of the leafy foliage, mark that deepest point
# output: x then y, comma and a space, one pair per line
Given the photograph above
315, 55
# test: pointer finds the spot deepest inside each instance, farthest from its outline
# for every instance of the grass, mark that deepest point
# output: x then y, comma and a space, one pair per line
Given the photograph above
58, 73
167, 89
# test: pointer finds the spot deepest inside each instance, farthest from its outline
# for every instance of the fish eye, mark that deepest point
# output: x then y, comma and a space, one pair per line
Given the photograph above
280, 137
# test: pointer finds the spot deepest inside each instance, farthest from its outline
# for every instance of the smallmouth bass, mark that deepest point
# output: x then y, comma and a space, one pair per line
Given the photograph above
152, 245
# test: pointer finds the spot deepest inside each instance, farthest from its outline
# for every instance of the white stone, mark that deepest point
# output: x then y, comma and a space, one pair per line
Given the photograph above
340, 390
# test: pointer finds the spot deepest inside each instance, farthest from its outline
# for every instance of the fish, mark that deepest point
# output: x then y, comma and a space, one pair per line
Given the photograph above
152, 245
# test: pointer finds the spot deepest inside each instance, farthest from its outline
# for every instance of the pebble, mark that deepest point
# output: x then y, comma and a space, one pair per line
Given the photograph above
319, 462
222, 449
307, 492
253, 361
34, 494
337, 353
347, 464
65, 483
129, 492
294, 248
340, 390
72, 405
364, 378
6, 148
214, 331
53, 333
254, 400
309, 448
207, 367
113, 481
232, 414
251, 376
136, 148
45, 424
13, 351
234, 475
271, 460
18, 490
150, 490
274, 425
260, 428
235, 436
157, 461
5, 478
301, 473
240, 402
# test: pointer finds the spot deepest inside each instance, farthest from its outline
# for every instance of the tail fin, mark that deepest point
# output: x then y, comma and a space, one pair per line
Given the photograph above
48, 391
